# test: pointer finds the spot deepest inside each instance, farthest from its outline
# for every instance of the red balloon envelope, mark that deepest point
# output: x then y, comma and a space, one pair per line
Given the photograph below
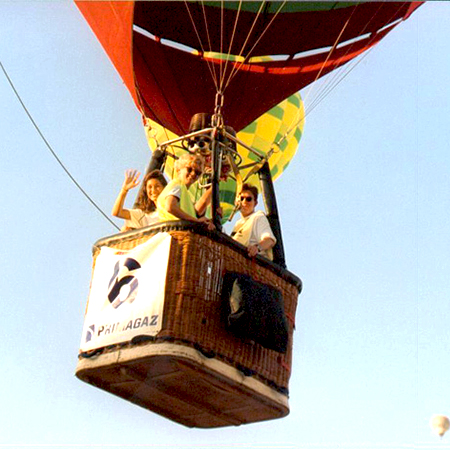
167, 52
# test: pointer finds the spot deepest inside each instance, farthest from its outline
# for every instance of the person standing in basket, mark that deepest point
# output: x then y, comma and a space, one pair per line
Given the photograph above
145, 213
175, 203
253, 229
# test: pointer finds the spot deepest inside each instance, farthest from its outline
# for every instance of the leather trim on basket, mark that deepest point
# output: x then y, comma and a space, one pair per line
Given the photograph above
197, 228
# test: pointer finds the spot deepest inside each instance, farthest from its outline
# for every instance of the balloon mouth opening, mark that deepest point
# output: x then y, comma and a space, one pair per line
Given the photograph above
217, 56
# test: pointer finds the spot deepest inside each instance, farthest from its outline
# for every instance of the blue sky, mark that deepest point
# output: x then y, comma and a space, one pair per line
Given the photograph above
364, 208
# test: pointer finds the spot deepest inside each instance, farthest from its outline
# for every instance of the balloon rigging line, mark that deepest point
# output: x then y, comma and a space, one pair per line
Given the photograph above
142, 100
233, 74
201, 45
299, 116
144, 118
330, 85
329, 89
221, 42
337, 77
53, 152
222, 79
330, 52
233, 70
336, 73
209, 41
154, 137
221, 68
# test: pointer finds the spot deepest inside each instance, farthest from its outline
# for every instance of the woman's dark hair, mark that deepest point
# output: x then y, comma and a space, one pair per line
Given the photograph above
143, 202
252, 189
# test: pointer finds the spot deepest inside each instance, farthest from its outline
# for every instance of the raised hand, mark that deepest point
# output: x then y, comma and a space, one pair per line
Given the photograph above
131, 179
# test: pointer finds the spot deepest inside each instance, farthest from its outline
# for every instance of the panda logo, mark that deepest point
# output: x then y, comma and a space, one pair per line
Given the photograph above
123, 286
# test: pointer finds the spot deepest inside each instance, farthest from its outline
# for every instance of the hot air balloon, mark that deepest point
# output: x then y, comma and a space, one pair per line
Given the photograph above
439, 424
180, 320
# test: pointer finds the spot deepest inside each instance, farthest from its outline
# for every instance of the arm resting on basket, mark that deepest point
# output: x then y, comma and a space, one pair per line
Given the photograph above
173, 207
265, 243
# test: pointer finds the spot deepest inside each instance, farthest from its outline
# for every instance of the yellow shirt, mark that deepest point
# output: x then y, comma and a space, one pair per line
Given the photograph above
180, 191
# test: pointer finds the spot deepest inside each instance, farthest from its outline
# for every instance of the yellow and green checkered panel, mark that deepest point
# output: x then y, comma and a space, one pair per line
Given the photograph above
278, 131
280, 128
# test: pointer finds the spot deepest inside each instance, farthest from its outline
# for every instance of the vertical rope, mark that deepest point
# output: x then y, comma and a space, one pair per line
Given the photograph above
244, 45
221, 43
230, 46
210, 65
209, 42
236, 69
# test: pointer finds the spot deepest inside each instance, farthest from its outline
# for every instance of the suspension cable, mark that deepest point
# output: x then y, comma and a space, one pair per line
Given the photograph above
221, 43
245, 42
238, 67
210, 65
53, 152
331, 51
325, 94
336, 77
342, 72
222, 79
209, 41
299, 117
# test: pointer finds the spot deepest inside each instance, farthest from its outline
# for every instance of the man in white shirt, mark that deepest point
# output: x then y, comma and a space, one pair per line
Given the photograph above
253, 229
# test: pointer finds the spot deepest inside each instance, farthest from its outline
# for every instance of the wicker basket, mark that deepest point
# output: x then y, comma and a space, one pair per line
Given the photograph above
195, 371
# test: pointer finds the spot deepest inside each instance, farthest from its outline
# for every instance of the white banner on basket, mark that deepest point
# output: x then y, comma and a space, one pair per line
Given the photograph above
127, 293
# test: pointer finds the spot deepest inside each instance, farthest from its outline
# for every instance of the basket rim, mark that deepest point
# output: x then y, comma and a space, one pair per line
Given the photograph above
200, 229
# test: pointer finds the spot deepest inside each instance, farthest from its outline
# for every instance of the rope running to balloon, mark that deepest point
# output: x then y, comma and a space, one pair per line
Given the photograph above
341, 72
53, 152
337, 77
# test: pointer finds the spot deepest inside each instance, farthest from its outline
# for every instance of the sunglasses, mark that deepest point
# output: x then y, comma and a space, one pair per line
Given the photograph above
192, 169
246, 199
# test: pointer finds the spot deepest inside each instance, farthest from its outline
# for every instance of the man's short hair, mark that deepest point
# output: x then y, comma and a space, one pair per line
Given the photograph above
188, 158
252, 189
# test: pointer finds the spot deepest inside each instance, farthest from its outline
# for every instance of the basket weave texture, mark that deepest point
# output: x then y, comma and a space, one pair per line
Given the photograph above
193, 305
